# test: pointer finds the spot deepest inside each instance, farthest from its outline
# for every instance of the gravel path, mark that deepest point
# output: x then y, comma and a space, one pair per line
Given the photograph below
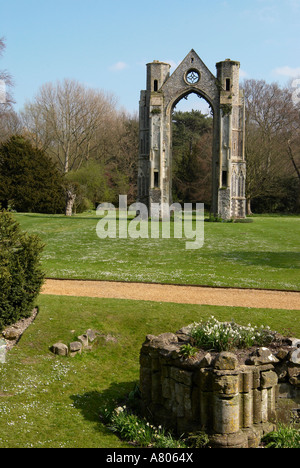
172, 293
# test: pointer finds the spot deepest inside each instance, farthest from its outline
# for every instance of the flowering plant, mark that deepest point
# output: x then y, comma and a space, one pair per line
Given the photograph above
226, 336
131, 427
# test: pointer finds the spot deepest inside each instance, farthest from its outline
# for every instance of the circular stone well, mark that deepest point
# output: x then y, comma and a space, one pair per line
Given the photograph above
235, 397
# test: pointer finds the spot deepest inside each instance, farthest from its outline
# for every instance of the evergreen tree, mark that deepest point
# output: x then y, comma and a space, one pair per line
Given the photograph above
21, 276
29, 180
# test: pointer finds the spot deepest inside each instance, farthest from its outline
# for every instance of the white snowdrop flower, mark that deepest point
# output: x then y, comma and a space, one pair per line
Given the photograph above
119, 410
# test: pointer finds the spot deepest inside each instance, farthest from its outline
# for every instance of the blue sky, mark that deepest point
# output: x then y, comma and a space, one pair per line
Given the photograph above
106, 44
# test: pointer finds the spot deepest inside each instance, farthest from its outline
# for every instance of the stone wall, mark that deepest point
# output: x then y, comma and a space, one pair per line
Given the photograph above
234, 398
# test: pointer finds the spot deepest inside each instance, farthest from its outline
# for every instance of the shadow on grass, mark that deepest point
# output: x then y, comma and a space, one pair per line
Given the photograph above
289, 260
60, 216
92, 403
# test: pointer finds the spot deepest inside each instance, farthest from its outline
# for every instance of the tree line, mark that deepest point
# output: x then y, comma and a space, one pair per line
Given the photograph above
272, 147
76, 145
72, 148
272, 150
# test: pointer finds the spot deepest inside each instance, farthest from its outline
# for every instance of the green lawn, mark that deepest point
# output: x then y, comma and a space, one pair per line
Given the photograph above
48, 401
263, 254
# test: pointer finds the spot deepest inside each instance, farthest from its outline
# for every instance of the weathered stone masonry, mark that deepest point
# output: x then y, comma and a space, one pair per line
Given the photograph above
234, 402
226, 100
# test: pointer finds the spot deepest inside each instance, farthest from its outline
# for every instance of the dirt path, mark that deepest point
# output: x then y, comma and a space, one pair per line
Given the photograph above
177, 294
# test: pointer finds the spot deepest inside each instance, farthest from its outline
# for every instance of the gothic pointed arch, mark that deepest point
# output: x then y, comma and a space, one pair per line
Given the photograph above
222, 93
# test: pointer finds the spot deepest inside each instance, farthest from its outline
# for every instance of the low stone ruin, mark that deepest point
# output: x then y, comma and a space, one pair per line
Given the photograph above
83, 342
235, 397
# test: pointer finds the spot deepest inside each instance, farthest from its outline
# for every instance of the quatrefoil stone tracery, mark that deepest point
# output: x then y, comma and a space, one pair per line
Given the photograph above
192, 76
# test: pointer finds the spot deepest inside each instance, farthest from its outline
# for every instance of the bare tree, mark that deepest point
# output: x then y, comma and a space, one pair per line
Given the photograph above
126, 150
10, 124
65, 120
269, 124
292, 134
6, 100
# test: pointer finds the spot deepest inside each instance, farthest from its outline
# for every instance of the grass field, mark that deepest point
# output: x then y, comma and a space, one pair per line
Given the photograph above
48, 401
262, 254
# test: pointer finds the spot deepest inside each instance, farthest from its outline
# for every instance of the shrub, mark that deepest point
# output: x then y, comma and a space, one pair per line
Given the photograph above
198, 440
132, 428
21, 276
283, 437
92, 186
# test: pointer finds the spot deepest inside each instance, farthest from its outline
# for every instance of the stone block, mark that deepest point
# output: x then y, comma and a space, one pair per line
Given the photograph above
164, 339
237, 440
247, 383
295, 357
145, 360
155, 365
75, 348
181, 376
264, 405
206, 360
295, 342
257, 416
247, 410
60, 349
294, 375
226, 385
262, 356
166, 388
12, 333
268, 379
84, 340
254, 436
205, 380
91, 334
156, 387
226, 415
256, 378
146, 383
225, 361
282, 371
206, 410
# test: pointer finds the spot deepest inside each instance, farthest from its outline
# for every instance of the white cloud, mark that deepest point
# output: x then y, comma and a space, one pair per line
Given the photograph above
294, 4
119, 66
288, 71
243, 74
173, 64
268, 14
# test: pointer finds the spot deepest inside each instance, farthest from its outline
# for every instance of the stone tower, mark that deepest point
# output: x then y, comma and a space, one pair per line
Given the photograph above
226, 100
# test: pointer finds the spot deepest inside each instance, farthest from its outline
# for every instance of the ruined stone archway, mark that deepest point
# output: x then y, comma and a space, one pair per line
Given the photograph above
227, 103
193, 183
